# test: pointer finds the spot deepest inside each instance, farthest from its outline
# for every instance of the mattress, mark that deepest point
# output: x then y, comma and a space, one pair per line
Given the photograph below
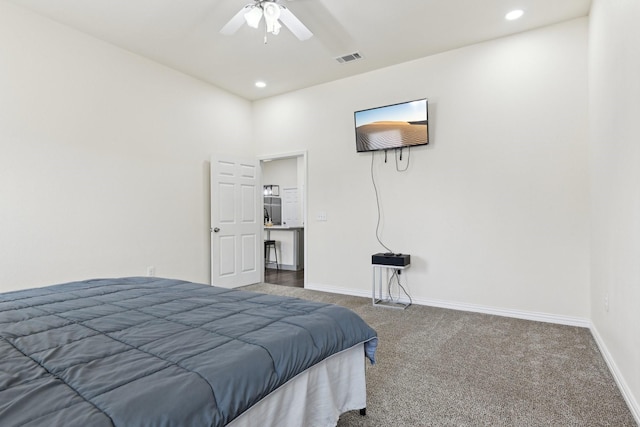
149, 351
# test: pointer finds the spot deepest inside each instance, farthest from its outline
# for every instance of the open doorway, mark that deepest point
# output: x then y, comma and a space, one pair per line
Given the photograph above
284, 178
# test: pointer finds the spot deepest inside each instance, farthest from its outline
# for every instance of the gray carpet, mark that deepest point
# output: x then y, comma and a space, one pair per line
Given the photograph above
439, 367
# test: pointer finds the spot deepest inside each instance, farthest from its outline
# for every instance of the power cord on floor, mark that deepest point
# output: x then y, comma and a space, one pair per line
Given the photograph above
396, 274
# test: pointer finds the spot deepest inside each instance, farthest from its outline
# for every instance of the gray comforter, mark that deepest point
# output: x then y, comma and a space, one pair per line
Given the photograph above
157, 352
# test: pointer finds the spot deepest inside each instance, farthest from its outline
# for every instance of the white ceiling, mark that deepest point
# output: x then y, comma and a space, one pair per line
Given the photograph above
184, 34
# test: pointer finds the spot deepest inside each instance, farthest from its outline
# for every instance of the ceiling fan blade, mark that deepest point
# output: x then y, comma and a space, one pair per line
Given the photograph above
236, 22
294, 24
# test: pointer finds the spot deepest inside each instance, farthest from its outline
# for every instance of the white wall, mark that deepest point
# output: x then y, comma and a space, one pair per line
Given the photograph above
614, 105
103, 158
282, 172
494, 212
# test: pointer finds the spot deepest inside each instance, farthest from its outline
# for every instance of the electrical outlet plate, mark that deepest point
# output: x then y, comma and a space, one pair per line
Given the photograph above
151, 271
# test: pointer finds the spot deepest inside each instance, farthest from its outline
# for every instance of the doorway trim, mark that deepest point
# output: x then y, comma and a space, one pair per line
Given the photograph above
305, 196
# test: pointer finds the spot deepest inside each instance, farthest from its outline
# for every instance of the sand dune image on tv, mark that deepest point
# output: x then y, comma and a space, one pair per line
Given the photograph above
383, 135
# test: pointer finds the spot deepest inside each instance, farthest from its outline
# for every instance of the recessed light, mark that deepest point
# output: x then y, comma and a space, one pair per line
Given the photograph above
514, 14
261, 84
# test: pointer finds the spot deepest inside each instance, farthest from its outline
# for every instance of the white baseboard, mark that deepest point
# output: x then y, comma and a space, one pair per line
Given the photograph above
518, 314
632, 402
336, 290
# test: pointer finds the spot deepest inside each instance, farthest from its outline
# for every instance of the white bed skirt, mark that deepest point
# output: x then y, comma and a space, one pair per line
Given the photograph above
315, 397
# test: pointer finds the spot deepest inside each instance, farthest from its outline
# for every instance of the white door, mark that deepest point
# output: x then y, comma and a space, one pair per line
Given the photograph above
236, 222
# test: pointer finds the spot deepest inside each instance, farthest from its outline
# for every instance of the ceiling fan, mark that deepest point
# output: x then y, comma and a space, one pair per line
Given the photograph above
274, 14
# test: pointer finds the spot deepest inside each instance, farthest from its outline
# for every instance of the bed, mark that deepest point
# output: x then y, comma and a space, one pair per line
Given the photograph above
146, 351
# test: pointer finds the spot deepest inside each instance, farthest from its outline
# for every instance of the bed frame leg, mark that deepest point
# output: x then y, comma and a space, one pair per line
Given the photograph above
363, 412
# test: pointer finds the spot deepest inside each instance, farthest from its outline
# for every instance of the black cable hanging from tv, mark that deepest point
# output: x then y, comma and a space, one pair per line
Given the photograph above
375, 189
408, 159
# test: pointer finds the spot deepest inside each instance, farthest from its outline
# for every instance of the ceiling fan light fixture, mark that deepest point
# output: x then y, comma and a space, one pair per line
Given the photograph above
253, 17
271, 10
271, 16
273, 27
275, 15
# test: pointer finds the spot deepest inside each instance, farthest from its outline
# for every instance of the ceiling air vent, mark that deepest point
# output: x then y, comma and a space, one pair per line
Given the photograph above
349, 58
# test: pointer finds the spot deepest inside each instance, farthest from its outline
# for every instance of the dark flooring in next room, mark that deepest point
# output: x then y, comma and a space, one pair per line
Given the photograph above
293, 279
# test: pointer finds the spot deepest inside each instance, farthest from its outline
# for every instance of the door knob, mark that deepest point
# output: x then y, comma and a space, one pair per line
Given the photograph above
215, 230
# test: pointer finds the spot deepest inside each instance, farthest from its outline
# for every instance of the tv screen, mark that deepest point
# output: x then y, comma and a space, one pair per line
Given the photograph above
392, 126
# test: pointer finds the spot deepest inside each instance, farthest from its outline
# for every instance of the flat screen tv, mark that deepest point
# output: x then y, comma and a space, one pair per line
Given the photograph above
392, 126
